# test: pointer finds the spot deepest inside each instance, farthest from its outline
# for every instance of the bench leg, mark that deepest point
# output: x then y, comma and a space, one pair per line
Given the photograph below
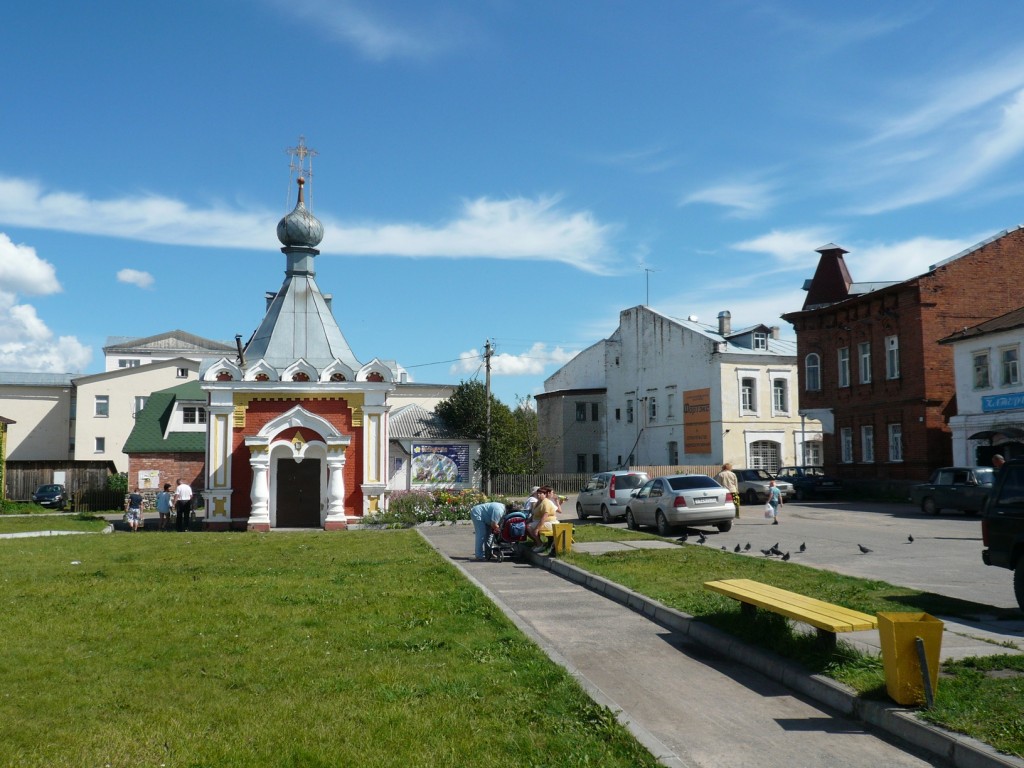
827, 639
748, 609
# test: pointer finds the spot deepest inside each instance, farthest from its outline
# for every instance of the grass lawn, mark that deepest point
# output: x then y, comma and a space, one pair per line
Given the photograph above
296, 650
983, 698
9, 524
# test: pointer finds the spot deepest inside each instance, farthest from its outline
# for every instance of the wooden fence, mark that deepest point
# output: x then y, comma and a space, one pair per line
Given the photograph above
573, 482
23, 477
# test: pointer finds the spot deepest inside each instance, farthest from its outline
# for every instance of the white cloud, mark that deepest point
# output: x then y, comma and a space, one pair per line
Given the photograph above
902, 260
745, 199
532, 362
22, 271
372, 35
514, 228
26, 344
135, 277
788, 246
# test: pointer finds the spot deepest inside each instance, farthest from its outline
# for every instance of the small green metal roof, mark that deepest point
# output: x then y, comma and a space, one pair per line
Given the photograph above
147, 436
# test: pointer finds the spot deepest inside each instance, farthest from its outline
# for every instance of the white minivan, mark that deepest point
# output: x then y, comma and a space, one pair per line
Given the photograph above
608, 493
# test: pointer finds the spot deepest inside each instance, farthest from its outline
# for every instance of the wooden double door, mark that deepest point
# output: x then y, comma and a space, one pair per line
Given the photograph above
298, 493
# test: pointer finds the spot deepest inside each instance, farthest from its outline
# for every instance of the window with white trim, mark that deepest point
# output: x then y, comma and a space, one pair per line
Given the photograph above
780, 396
867, 444
128, 363
979, 363
1009, 366
895, 442
581, 411
844, 366
760, 340
102, 406
748, 395
892, 357
100, 446
629, 411
812, 453
192, 414
812, 372
846, 445
864, 356
652, 409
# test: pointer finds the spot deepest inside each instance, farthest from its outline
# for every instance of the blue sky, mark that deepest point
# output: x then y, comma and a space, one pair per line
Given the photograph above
488, 169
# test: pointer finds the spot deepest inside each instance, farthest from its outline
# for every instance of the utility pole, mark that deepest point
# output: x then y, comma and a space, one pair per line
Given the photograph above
488, 351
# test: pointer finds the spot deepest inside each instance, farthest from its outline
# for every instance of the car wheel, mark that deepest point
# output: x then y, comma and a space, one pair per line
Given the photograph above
630, 520
1018, 582
724, 527
664, 529
928, 506
579, 511
751, 497
606, 516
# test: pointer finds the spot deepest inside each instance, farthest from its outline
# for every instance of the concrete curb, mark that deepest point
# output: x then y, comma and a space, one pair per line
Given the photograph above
961, 751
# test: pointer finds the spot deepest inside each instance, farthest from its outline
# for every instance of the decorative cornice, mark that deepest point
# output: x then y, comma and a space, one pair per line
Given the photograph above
242, 400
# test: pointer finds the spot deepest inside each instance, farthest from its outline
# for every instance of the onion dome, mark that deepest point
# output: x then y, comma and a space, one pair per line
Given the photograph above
300, 227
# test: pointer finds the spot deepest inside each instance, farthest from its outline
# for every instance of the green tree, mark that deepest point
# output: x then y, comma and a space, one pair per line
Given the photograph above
513, 446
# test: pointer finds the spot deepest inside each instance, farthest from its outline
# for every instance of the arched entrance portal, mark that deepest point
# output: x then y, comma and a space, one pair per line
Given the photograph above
298, 493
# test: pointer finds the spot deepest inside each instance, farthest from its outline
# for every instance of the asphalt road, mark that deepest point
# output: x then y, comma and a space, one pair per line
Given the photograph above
945, 556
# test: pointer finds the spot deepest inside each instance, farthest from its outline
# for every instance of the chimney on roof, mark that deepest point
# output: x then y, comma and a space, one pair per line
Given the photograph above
831, 281
724, 322
775, 332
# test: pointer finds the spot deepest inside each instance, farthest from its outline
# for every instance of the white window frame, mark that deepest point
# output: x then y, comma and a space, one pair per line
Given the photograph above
892, 357
197, 412
100, 445
125, 363
760, 340
652, 409
1009, 366
101, 406
812, 363
748, 394
895, 431
867, 444
843, 362
780, 396
629, 411
846, 445
581, 411
981, 369
864, 356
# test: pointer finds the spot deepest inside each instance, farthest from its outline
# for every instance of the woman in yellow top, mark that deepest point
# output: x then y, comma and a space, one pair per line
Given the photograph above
545, 514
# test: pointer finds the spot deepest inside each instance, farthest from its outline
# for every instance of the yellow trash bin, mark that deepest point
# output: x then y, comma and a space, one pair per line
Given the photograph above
898, 633
562, 533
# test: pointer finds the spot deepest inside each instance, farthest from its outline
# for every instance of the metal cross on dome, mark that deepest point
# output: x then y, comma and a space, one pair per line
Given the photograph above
301, 166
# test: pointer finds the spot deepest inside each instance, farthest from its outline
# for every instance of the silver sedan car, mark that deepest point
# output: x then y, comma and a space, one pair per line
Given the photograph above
666, 502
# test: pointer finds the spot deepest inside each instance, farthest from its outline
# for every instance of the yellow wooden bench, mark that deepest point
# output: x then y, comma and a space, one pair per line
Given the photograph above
827, 618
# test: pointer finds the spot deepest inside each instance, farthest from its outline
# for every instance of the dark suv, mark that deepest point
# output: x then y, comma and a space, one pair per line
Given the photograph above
1002, 524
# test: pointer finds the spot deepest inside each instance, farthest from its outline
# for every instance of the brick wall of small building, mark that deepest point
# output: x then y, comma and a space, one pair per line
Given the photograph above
971, 289
190, 467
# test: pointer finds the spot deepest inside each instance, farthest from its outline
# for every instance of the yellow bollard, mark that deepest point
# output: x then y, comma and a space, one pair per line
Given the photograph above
562, 542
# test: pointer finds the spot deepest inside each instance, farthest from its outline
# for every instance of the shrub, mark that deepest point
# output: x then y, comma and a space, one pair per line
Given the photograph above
407, 508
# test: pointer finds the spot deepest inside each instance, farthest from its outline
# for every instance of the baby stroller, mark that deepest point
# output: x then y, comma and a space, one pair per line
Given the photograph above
510, 539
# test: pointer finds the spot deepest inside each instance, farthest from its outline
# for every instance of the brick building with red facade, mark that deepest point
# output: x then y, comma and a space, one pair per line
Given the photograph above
870, 365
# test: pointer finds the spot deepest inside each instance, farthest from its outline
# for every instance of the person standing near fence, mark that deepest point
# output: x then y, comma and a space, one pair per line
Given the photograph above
727, 479
182, 505
163, 506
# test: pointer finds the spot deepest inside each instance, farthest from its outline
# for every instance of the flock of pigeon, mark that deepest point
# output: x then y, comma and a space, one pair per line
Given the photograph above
773, 551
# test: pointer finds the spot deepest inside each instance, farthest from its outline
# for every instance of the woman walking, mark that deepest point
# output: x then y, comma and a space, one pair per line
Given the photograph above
774, 500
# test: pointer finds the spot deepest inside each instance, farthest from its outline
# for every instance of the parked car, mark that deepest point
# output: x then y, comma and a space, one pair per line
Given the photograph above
1002, 524
753, 485
809, 482
960, 488
607, 494
52, 495
665, 502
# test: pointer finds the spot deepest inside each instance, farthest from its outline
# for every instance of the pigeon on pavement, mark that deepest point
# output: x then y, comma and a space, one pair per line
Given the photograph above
785, 557
747, 547
863, 549
910, 538
803, 547
738, 548
702, 539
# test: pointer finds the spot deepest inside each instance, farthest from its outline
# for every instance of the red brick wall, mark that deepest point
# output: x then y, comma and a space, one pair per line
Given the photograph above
974, 288
336, 411
190, 467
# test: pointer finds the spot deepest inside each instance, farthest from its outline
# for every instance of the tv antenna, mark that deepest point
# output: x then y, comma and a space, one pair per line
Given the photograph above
300, 166
648, 270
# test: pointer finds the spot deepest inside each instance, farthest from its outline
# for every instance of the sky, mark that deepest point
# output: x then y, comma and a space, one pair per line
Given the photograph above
518, 171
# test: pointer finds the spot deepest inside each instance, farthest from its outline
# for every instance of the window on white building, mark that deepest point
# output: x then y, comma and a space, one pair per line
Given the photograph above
867, 444
140, 403
593, 411
192, 414
765, 454
581, 462
102, 406
670, 398
673, 453
581, 411
128, 363
595, 462
748, 395
652, 409
780, 396
844, 366
1009, 366
981, 373
846, 445
812, 453
101, 445
864, 355
629, 411
812, 372
182, 373
892, 357
895, 442
760, 340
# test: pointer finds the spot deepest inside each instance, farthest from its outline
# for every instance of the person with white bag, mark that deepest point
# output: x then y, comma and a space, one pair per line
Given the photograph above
771, 508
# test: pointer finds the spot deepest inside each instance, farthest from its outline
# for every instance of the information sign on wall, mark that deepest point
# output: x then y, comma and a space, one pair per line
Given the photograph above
445, 464
697, 421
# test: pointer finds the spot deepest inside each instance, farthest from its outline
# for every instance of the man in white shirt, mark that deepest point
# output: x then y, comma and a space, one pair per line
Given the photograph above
182, 505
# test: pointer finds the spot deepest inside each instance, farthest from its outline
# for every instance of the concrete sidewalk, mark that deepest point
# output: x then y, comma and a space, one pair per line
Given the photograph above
695, 696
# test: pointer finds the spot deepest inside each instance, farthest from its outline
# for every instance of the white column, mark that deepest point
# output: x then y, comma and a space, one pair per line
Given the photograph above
259, 494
